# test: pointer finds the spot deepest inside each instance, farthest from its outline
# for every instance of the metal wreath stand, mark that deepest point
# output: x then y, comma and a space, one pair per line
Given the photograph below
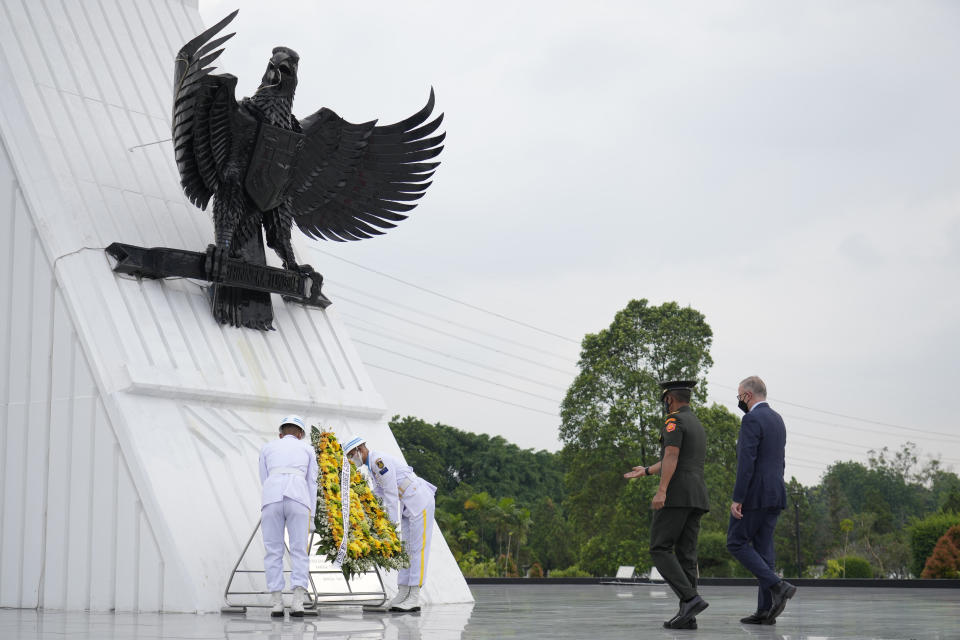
311, 607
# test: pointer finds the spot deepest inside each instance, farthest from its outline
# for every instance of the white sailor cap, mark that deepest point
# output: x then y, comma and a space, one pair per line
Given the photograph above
353, 444
293, 420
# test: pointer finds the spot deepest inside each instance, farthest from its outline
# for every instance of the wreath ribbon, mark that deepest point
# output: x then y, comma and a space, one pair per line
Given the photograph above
344, 509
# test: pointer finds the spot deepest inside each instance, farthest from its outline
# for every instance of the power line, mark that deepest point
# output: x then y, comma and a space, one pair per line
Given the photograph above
447, 386
453, 357
864, 429
451, 299
461, 338
517, 343
458, 372
568, 339
849, 417
848, 445
792, 463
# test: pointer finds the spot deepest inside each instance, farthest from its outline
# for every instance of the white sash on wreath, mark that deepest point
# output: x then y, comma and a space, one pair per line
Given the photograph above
345, 510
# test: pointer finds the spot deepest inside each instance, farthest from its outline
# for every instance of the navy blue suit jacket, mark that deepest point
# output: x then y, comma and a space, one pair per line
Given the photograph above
760, 463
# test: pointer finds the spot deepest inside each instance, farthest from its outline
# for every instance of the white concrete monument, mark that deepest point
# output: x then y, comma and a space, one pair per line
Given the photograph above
131, 420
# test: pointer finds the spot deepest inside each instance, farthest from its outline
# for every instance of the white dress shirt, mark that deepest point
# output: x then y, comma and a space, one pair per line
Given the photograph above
288, 469
398, 486
757, 404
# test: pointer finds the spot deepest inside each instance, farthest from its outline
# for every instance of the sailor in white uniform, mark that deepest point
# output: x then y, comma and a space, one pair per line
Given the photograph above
288, 472
409, 502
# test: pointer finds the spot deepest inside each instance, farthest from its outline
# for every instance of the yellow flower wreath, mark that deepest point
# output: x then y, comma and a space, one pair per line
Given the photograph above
372, 540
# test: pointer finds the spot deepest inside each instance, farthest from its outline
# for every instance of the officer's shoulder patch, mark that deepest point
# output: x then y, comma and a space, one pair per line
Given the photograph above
671, 426
382, 467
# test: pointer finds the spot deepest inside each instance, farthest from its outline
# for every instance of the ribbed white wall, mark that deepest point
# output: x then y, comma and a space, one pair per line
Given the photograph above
131, 420
60, 456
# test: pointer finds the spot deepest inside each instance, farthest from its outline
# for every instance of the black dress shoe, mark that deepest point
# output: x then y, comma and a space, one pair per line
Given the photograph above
687, 614
779, 594
757, 617
673, 624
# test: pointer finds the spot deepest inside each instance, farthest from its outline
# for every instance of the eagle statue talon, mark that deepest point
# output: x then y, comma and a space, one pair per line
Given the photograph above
267, 170
214, 263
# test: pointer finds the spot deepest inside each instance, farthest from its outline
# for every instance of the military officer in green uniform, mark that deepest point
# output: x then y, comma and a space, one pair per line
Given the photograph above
680, 501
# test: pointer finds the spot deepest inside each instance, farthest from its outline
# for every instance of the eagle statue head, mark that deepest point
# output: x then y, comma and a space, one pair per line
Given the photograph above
280, 77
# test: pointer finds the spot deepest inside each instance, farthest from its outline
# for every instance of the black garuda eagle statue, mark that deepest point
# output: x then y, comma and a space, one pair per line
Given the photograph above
265, 169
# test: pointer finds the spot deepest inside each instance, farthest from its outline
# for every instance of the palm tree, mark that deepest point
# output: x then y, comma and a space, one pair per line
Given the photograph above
456, 531
522, 523
504, 515
846, 526
485, 505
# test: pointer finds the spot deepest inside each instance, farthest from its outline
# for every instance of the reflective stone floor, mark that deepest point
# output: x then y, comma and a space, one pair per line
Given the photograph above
547, 611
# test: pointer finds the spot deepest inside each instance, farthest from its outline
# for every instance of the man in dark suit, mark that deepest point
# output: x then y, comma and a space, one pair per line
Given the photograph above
758, 498
680, 501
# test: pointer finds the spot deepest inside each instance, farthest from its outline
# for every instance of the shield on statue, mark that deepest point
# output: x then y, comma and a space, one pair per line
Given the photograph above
271, 165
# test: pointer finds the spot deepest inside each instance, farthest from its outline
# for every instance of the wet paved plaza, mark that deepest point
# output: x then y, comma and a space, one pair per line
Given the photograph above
540, 611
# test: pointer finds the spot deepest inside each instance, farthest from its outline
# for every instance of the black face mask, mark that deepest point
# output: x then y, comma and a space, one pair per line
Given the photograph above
666, 407
743, 406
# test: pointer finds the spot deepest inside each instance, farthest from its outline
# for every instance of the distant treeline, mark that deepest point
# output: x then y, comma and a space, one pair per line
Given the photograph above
502, 509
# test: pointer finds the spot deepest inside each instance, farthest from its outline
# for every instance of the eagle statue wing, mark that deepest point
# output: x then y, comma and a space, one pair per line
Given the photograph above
206, 116
352, 180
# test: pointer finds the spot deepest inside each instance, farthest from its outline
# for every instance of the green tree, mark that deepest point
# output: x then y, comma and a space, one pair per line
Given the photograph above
848, 567
887, 550
951, 503
802, 508
503, 516
448, 457
945, 487
720, 470
924, 534
550, 534
485, 507
611, 418
713, 559
944, 561
457, 532
520, 529
846, 526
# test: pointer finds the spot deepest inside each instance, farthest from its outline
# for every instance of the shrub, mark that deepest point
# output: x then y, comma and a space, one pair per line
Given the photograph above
536, 571
924, 535
507, 567
856, 567
473, 566
572, 571
712, 555
944, 562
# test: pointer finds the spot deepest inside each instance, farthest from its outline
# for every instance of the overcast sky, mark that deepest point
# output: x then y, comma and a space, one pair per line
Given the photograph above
791, 170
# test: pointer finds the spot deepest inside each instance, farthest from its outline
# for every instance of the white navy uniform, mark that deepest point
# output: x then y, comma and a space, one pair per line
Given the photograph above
288, 472
409, 502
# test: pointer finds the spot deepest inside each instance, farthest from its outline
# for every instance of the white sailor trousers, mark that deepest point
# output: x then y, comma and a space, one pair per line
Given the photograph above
417, 529
295, 517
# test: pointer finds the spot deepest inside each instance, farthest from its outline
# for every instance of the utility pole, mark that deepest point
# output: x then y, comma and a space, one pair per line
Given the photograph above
796, 494
796, 531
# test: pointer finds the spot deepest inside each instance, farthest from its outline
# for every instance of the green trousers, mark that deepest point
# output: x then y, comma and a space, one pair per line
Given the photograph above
673, 547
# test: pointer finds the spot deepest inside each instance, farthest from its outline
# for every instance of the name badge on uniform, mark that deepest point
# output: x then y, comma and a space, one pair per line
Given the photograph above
382, 467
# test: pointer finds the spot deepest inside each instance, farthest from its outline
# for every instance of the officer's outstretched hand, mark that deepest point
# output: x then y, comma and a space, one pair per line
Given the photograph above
659, 500
636, 473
